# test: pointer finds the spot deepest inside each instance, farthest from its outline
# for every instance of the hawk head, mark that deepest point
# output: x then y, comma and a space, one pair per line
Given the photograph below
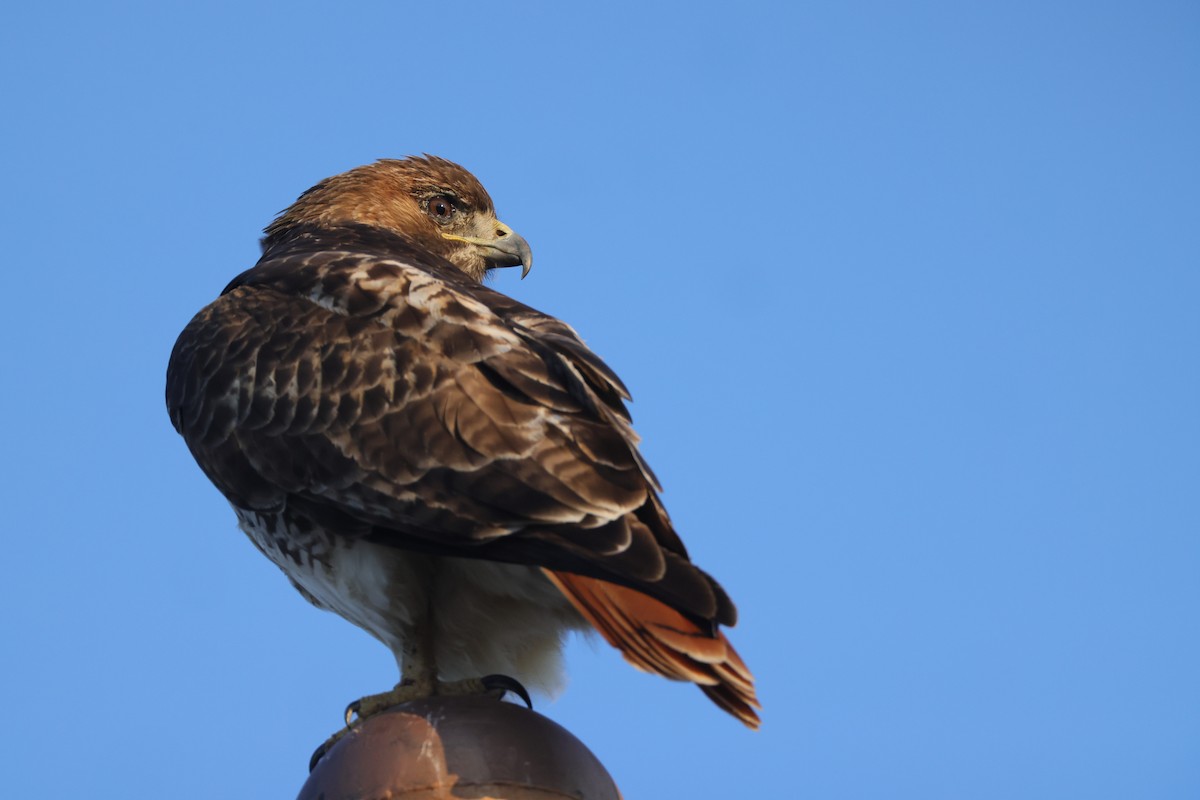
434, 203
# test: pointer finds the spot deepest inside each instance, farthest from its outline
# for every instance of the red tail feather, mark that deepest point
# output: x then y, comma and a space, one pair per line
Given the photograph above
656, 638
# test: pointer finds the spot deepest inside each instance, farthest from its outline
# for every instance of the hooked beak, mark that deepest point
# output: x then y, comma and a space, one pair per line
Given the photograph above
507, 249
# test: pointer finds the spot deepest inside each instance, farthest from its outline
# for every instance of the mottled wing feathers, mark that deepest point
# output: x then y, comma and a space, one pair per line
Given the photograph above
349, 367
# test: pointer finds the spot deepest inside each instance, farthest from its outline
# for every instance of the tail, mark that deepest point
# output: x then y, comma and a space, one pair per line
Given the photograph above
656, 638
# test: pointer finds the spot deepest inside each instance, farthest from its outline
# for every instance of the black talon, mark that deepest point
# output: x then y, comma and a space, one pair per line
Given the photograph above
352, 712
506, 684
317, 755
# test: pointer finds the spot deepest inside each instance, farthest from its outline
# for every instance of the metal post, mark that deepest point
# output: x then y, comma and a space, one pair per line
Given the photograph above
451, 748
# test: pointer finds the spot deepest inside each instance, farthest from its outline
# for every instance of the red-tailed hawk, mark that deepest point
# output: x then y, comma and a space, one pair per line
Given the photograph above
446, 468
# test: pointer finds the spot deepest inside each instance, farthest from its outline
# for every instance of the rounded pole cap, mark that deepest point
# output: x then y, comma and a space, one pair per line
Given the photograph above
452, 748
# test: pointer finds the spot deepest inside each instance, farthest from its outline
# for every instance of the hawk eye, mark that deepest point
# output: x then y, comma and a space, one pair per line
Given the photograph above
441, 208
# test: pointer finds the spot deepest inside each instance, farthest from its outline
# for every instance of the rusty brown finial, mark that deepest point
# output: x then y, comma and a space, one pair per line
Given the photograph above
451, 748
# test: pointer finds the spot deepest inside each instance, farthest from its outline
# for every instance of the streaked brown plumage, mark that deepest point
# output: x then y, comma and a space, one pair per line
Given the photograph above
386, 427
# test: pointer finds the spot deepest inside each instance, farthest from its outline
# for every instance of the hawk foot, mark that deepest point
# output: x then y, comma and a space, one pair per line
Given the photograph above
407, 691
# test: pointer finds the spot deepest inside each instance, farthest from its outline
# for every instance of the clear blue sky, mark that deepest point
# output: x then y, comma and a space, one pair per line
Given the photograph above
908, 296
